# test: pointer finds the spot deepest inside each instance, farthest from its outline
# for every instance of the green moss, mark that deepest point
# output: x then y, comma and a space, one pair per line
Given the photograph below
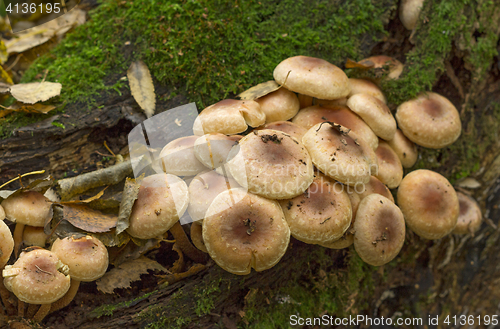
108, 310
205, 298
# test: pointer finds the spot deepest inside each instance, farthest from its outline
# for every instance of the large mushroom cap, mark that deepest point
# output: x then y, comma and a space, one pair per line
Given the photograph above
321, 214
212, 149
339, 153
271, 164
429, 204
280, 105
28, 208
161, 201
405, 149
379, 230
362, 86
430, 120
250, 233
6, 244
229, 116
37, 277
178, 157
312, 76
390, 170
86, 257
470, 217
288, 127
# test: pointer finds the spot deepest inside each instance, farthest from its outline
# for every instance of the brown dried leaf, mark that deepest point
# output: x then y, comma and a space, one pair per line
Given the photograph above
131, 251
260, 90
141, 86
88, 219
124, 274
31, 108
350, 64
34, 92
130, 193
111, 239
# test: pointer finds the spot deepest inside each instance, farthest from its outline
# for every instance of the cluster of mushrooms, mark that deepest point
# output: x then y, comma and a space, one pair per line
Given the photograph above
319, 165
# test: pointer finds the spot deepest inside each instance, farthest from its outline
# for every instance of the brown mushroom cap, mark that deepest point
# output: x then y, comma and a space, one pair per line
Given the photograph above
362, 86
250, 233
280, 105
378, 62
86, 257
37, 277
321, 214
2, 213
310, 116
429, 204
28, 208
6, 244
470, 217
390, 170
34, 236
375, 186
379, 230
212, 149
405, 149
312, 76
375, 113
305, 100
339, 153
161, 201
271, 164
430, 120
203, 189
229, 116
178, 157
331, 102
348, 238
409, 10
288, 127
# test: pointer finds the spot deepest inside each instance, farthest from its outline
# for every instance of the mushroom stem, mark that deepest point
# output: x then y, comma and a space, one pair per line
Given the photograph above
66, 299
5, 295
183, 242
20, 308
18, 237
42, 312
197, 236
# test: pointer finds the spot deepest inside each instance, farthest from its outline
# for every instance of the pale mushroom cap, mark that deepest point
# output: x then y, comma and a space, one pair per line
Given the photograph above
29, 208
321, 214
312, 76
375, 113
161, 201
470, 217
229, 116
203, 189
271, 164
37, 277
212, 149
250, 233
34, 236
362, 86
379, 230
378, 62
287, 127
430, 120
405, 149
178, 158
390, 170
86, 257
375, 186
409, 11
339, 153
280, 105
429, 204
310, 116
2, 213
344, 242
6, 244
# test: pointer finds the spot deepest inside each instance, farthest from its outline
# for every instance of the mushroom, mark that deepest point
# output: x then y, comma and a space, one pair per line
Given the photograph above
26, 208
363, 86
375, 186
313, 77
405, 149
379, 230
6, 244
37, 277
331, 102
409, 10
271, 164
378, 62
178, 157
288, 127
375, 113
280, 105
2, 213
229, 117
341, 115
250, 233
197, 236
430, 120
212, 150
429, 204
321, 214
469, 217
34, 236
305, 100
390, 170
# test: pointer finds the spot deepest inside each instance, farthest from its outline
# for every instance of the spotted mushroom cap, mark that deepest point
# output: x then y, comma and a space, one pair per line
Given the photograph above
470, 217
280, 105
288, 127
86, 257
37, 277
405, 149
178, 157
6, 244
250, 233
29, 208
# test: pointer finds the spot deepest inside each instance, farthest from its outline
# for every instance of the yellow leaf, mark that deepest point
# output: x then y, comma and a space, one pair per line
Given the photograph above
34, 92
260, 90
31, 108
141, 86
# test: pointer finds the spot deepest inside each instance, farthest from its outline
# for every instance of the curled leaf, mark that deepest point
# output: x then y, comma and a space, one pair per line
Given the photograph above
130, 193
260, 90
141, 86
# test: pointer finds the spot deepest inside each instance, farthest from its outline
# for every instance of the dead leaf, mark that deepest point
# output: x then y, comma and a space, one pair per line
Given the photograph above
31, 108
131, 251
260, 90
34, 92
126, 273
5, 78
88, 200
141, 86
130, 193
4, 87
88, 219
350, 64
111, 239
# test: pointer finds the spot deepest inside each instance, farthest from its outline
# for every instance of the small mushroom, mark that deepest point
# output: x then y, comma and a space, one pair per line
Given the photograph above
469, 217
250, 233
363, 86
305, 100
280, 105
390, 170
430, 120
375, 186
429, 203
380, 61
6, 244
379, 230
212, 150
178, 157
313, 77
288, 127
405, 149
34, 236
409, 11
2, 213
